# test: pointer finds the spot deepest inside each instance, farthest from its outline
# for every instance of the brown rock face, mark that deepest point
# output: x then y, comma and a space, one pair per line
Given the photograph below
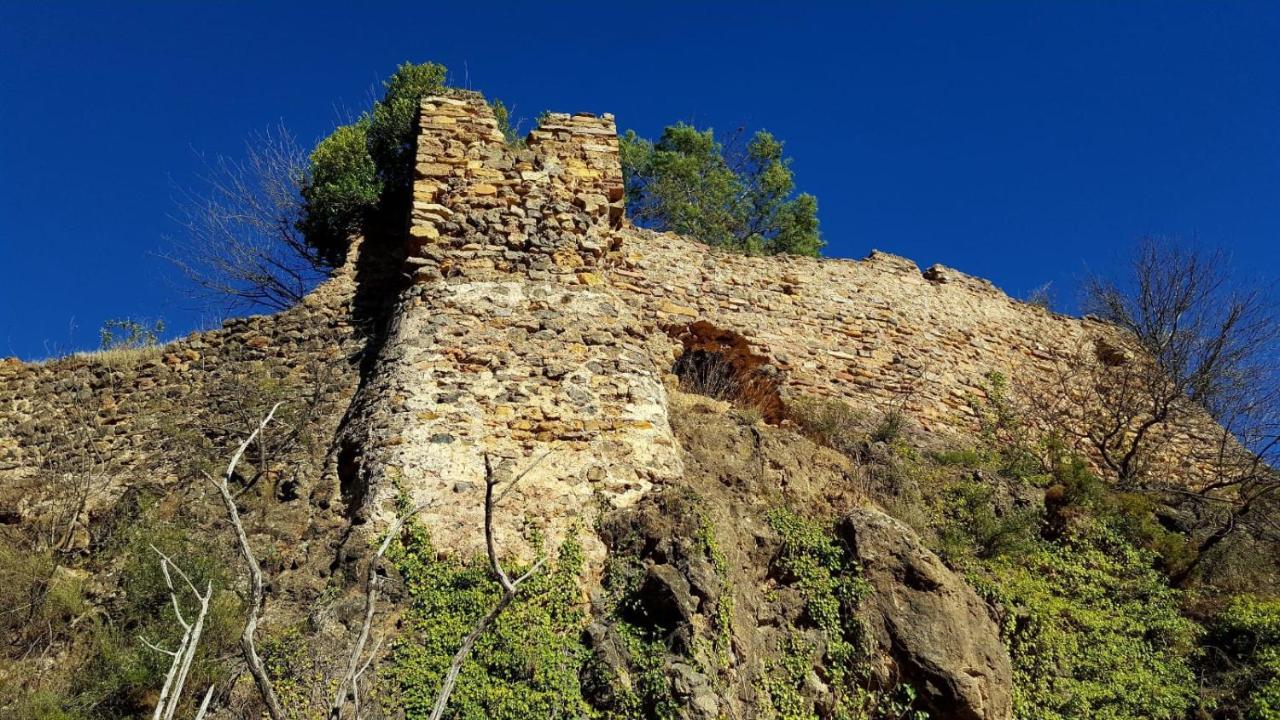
933, 626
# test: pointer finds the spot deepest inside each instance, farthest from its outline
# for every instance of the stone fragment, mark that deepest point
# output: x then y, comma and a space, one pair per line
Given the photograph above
671, 308
434, 169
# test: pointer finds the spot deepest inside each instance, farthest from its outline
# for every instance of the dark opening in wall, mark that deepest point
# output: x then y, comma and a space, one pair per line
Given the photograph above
719, 363
351, 480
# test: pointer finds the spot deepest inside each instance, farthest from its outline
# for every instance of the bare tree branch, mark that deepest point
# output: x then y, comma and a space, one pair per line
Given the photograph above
354, 669
265, 689
176, 677
204, 705
509, 590
240, 243
1208, 364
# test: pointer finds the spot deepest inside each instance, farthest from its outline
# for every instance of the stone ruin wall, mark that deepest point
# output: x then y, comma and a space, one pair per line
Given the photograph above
137, 417
507, 345
874, 333
539, 323
880, 335
877, 333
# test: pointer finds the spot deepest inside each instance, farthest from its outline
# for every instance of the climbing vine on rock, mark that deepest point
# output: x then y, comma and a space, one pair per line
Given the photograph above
816, 565
527, 663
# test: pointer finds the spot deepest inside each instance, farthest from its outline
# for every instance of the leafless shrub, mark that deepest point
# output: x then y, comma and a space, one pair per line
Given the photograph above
257, 594
73, 474
1042, 296
1207, 344
716, 375
510, 587
240, 244
1193, 376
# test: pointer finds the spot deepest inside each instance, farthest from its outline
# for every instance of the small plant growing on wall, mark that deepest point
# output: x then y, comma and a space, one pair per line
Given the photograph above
127, 334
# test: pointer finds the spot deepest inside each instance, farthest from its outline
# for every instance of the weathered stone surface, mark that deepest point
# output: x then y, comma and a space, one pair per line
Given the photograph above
929, 623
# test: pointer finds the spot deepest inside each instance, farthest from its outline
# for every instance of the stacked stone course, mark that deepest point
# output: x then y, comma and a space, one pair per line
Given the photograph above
481, 207
129, 412
877, 333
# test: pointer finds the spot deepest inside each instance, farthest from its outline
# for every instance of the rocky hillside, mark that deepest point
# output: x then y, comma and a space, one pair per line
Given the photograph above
566, 467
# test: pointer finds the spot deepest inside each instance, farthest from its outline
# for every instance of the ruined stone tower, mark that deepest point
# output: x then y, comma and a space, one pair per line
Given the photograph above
505, 344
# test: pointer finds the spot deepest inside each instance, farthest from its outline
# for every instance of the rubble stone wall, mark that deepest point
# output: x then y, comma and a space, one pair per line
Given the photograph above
507, 345
869, 332
877, 333
105, 421
539, 331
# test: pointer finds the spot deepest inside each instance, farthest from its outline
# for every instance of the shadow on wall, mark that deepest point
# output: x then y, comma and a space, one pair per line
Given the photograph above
719, 363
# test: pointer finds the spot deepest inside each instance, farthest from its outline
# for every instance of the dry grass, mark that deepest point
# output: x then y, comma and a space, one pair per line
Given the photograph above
122, 357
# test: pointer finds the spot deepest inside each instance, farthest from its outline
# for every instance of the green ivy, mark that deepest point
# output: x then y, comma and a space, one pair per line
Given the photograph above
1248, 631
1092, 629
819, 567
723, 619
526, 665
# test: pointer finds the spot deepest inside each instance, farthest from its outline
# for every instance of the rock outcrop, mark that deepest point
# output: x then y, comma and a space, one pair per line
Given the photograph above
694, 566
933, 629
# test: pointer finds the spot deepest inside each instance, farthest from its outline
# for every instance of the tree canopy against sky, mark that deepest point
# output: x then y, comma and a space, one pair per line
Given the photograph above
740, 197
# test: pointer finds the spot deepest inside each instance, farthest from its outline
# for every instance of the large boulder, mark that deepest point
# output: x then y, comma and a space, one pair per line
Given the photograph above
932, 629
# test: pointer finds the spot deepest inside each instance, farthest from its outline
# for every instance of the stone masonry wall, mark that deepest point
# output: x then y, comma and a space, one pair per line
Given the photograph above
877, 333
481, 207
538, 330
107, 422
506, 345
874, 332
880, 334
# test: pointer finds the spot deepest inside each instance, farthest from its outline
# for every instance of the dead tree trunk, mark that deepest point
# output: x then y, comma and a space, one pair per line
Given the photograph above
176, 677
509, 589
256, 593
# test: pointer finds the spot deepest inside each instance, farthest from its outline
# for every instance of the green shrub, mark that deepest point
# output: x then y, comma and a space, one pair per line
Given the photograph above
343, 188
1093, 631
741, 200
831, 423
129, 334
1005, 435
526, 665
1078, 495
1248, 632
122, 673
104, 671
974, 528
391, 126
38, 599
890, 428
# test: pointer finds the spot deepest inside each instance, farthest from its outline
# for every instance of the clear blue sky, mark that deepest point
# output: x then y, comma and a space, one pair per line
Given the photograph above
1020, 141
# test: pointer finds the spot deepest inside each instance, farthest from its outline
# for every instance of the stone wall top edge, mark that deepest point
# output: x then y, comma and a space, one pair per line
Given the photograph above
327, 298
892, 263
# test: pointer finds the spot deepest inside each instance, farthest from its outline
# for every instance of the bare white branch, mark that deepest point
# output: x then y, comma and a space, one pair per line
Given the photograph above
256, 592
509, 590
176, 677
350, 680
